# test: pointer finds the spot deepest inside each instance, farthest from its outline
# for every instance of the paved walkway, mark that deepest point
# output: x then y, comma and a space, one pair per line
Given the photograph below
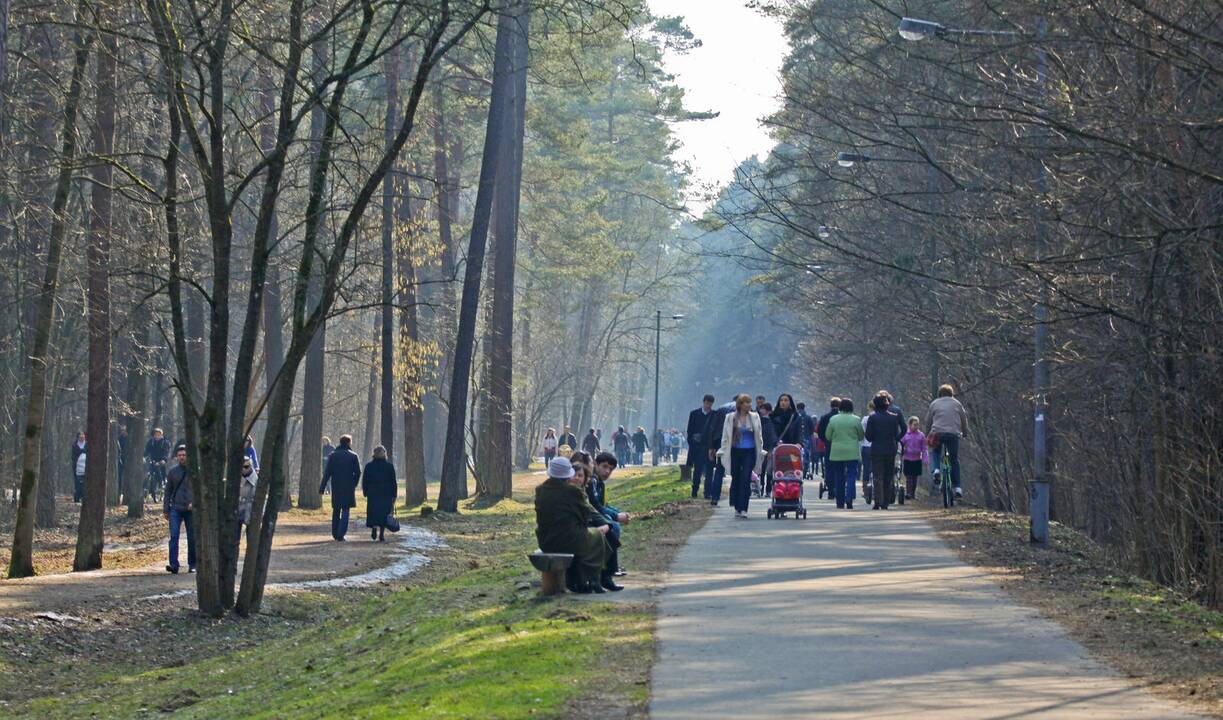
862, 614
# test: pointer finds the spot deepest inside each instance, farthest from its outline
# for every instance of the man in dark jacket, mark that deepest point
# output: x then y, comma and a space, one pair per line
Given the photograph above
178, 503
596, 493
562, 517
698, 443
821, 427
567, 438
590, 443
343, 472
806, 426
717, 420
156, 453
884, 429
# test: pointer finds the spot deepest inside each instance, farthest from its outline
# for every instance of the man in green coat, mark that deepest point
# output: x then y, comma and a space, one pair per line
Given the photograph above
562, 515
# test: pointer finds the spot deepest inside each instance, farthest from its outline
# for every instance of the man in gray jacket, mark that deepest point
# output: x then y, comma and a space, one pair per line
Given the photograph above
177, 503
947, 420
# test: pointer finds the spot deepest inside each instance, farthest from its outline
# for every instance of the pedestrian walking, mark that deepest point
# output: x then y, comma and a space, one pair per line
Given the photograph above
178, 504
843, 434
246, 493
821, 428
380, 488
640, 445
884, 429
549, 445
343, 472
621, 442
947, 420
742, 451
248, 449
567, 442
78, 467
914, 453
328, 448
590, 443
864, 449
698, 445
806, 427
673, 442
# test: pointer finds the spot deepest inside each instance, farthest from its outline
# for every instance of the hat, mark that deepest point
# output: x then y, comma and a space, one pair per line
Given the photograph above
560, 468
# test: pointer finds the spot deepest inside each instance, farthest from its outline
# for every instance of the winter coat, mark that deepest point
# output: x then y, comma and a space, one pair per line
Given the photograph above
380, 489
770, 433
806, 426
620, 441
343, 471
914, 445
567, 439
246, 495
789, 426
728, 434
178, 494
254, 456
562, 517
843, 434
884, 429
698, 434
639, 442
157, 450
590, 444
821, 425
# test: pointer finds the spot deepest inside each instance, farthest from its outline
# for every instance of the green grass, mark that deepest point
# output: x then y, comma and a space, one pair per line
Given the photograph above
472, 645
1165, 607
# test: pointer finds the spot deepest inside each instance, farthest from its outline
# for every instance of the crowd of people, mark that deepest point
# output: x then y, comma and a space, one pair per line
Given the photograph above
736, 439
629, 447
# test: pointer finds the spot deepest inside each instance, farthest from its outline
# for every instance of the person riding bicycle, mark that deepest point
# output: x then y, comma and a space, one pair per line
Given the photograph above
156, 453
947, 420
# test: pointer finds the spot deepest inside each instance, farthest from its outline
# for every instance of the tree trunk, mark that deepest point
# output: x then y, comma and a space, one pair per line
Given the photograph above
454, 466
412, 467
133, 421
312, 392
371, 399
21, 562
387, 434
499, 419
97, 426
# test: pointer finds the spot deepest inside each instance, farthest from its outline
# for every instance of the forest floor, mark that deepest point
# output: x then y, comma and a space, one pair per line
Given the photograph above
464, 635
1169, 645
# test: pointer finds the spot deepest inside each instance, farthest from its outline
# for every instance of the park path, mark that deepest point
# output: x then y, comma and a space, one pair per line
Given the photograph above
304, 555
862, 614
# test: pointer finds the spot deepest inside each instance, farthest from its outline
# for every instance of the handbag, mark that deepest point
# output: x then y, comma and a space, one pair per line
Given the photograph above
392, 523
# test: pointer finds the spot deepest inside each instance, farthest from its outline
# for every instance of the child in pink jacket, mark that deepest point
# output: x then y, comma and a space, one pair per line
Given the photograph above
913, 445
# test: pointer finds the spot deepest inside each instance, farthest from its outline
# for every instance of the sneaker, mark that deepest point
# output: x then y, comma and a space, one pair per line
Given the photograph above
959, 493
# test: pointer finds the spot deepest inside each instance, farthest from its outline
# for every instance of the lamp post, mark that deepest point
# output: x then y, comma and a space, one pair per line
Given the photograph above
657, 364
1038, 504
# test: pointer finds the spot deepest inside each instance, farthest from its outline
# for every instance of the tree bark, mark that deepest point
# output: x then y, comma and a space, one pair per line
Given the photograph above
497, 475
21, 562
97, 426
312, 392
454, 466
412, 467
387, 434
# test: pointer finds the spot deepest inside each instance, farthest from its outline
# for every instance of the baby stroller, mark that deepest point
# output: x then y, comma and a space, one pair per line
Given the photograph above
787, 469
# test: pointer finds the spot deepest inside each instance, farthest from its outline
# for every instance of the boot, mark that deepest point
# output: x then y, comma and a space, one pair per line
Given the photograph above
608, 583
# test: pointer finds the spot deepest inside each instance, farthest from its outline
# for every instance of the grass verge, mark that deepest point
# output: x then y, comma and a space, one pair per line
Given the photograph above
1166, 643
468, 638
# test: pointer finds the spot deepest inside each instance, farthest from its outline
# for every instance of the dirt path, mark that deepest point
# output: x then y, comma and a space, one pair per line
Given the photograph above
304, 552
862, 614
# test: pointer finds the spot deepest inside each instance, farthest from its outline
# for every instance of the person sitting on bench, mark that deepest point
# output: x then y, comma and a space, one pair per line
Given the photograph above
561, 518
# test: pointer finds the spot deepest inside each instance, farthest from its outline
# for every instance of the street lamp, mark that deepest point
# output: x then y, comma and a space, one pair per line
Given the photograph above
657, 364
1038, 505
847, 159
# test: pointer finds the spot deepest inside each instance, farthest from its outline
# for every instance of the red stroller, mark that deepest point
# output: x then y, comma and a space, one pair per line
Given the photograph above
787, 469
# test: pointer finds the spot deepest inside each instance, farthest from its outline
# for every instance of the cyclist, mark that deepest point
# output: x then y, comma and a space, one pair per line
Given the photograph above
946, 419
156, 453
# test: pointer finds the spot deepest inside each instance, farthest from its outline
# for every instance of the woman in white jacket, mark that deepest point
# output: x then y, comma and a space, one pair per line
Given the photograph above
742, 451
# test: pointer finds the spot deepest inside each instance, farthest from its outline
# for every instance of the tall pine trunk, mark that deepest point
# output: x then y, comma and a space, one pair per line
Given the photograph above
454, 465
497, 475
412, 467
97, 425
387, 332
21, 561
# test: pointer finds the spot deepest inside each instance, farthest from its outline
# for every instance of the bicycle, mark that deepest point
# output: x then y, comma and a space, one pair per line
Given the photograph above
155, 478
944, 473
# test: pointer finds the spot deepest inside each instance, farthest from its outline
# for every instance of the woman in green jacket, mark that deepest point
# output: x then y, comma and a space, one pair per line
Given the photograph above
844, 433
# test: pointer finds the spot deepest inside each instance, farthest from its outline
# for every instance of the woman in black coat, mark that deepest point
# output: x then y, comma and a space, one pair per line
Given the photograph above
380, 489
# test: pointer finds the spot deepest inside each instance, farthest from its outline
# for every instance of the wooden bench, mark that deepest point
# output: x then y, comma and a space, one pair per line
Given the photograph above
553, 567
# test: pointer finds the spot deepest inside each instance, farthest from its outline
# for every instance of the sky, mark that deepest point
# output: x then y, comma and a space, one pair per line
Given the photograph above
735, 73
